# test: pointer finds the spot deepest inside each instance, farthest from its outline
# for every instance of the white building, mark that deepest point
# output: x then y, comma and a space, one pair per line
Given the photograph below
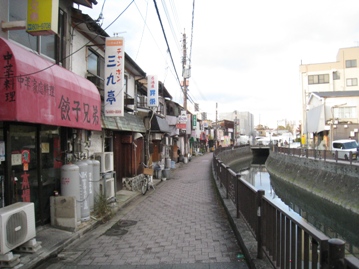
244, 123
330, 94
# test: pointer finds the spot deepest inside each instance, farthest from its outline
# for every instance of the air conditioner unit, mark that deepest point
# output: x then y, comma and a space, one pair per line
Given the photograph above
17, 225
110, 187
106, 161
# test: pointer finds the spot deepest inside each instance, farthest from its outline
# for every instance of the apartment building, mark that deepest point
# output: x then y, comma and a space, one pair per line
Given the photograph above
330, 99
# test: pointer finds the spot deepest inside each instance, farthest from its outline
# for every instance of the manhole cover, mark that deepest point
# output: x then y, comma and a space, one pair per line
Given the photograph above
125, 223
115, 232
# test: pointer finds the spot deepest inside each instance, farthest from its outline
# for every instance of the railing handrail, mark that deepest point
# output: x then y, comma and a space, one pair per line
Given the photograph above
315, 252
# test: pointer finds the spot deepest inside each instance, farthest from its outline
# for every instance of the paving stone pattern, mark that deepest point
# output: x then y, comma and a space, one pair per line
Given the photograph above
182, 222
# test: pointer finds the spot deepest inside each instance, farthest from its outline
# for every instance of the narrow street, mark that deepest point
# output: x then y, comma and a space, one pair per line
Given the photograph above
180, 224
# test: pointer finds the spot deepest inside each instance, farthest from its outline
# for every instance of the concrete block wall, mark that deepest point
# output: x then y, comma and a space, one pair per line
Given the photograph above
335, 182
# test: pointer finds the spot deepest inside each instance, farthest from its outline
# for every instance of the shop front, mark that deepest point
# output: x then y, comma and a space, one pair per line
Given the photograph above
41, 104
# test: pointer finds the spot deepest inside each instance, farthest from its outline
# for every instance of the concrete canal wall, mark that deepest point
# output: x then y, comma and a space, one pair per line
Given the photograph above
235, 155
337, 183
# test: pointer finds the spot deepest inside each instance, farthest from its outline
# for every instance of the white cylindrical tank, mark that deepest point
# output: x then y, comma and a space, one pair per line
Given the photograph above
168, 163
70, 185
90, 180
84, 190
96, 177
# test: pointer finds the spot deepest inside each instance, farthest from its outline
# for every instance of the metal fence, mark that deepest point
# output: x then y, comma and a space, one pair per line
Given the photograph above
316, 154
284, 237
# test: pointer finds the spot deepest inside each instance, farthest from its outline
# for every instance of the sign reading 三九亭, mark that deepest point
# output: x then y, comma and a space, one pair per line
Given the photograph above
114, 76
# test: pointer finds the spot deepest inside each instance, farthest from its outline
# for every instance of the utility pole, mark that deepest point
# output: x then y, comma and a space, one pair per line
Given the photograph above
216, 130
184, 61
184, 75
235, 129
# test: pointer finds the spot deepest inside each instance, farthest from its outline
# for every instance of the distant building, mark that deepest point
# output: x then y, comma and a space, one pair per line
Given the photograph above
330, 99
244, 123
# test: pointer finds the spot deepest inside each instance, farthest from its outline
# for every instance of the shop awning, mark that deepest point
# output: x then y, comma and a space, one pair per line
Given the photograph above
315, 120
159, 125
35, 90
129, 122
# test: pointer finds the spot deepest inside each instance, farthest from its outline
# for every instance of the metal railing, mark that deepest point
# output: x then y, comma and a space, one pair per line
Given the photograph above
323, 155
283, 236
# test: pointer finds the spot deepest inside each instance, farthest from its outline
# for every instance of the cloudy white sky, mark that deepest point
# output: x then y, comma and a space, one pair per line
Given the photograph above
245, 55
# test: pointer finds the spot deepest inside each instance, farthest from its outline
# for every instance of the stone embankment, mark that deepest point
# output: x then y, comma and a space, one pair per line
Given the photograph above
238, 154
337, 183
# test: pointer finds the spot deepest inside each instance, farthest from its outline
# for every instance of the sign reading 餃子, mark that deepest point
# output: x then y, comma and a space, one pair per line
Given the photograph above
114, 76
152, 91
42, 17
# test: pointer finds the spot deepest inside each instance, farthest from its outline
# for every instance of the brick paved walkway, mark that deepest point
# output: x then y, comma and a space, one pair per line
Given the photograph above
181, 224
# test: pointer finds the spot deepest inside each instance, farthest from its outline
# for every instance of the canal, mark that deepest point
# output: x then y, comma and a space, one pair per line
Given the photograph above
332, 220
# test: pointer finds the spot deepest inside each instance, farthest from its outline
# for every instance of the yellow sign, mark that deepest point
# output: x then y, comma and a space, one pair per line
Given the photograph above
304, 140
42, 17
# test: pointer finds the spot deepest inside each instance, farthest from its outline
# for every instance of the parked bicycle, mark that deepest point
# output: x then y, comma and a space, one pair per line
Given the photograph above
142, 182
148, 179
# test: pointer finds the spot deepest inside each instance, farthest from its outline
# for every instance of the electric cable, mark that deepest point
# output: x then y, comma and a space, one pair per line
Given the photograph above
164, 34
143, 30
39, 71
170, 23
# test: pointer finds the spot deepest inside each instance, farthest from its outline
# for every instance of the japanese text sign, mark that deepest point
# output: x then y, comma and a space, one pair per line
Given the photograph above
32, 92
152, 91
114, 76
42, 17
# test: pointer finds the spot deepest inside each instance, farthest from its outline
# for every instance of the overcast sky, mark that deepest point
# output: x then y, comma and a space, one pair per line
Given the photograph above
245, 55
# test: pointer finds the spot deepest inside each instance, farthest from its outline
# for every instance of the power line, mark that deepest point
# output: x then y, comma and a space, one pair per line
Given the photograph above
39, 71
170, 23
164, 34
144, 27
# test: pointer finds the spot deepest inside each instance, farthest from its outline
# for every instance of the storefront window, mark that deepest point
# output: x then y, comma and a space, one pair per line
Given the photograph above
35, 166
24, 179
45, 45
17, 12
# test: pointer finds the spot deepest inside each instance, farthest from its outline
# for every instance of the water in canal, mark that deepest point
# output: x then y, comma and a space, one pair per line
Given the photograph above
332, 220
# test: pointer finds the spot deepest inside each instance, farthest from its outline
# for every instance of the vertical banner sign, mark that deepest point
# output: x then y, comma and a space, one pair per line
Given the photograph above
152, 91
114, 76
182, 121
194, 121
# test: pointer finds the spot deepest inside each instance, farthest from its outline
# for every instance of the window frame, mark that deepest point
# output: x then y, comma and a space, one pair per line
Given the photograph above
336, 75
344, 112
100, 71
318, 79
351, 82
35, 43
351, 63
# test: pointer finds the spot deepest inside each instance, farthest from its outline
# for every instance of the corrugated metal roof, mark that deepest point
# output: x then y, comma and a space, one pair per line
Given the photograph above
337, 94
129, 122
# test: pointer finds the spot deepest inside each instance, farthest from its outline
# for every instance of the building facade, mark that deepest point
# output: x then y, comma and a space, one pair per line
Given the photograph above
329, 99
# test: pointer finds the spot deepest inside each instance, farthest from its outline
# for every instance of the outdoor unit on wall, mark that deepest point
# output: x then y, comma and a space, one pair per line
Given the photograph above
17, 225
110, 187
106, 161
